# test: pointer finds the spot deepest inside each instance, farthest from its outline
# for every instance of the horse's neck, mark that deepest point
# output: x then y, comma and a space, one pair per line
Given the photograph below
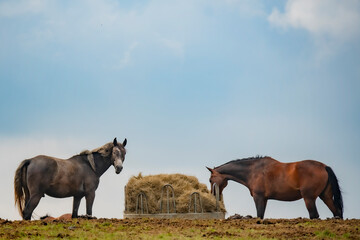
238, 172
101, 164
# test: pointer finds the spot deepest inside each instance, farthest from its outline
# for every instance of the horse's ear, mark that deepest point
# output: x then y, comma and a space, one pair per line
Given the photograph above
124, 142
115, 142
211, 170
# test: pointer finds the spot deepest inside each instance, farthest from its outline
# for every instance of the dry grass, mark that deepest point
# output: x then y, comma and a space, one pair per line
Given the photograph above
183, 187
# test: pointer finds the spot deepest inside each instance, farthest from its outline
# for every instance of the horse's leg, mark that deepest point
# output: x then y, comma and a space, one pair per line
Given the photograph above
260, 203
89, 202
311, 207
31, 205
327, 198
27, 196
76, 204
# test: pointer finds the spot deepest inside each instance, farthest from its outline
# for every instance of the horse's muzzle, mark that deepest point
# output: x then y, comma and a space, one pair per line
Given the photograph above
118, 169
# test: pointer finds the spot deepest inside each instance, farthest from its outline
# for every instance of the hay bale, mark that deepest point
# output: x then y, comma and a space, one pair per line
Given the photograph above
183, 187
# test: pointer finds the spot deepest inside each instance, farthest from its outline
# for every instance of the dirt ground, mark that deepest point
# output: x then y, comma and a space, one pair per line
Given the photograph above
182, 229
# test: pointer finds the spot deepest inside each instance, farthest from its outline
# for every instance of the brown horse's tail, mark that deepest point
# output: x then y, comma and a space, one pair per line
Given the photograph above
20, 186
334, 183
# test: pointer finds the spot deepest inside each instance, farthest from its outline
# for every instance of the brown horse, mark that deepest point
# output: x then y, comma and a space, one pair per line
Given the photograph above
76, 177
267, 178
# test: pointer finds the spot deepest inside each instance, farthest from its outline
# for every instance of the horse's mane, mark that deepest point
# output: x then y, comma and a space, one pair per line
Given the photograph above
104, 151
243, 160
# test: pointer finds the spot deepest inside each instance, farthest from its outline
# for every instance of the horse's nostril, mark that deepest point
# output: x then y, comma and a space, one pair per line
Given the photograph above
118, 169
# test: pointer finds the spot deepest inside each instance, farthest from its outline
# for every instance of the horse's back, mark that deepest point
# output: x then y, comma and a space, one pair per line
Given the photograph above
42, 164
306, 170
287, 181
40, 172
53, 176
311, 176
309, 168
46, 158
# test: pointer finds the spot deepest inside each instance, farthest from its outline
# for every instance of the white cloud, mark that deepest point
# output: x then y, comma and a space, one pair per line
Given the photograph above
335, 19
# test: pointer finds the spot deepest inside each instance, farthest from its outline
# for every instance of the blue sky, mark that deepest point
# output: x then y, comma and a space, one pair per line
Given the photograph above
189, 83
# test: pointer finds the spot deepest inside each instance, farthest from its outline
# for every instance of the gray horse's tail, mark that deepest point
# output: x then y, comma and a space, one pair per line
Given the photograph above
334, 183
20, 186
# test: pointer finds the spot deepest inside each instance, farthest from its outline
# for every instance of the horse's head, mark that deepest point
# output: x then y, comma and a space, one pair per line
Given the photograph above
118, 155
219, 179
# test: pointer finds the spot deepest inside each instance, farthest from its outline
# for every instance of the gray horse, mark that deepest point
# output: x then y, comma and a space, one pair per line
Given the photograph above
76, 177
